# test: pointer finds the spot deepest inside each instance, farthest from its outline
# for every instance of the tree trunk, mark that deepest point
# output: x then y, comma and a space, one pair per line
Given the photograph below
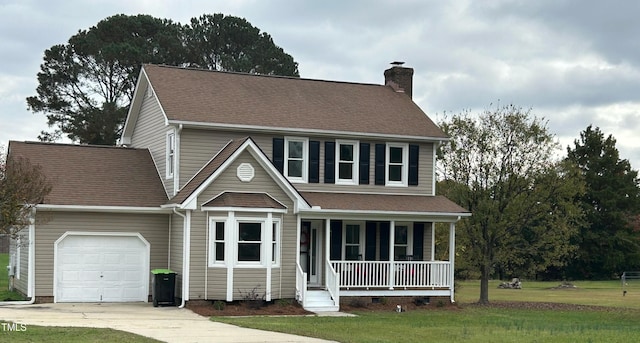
484, 285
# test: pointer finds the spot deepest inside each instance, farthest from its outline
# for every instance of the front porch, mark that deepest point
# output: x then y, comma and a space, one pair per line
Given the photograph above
370, 258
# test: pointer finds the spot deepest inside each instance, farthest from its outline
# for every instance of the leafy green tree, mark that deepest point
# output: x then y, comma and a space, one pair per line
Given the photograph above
609, 243
229, 43
500, 165
22, 186
85, 86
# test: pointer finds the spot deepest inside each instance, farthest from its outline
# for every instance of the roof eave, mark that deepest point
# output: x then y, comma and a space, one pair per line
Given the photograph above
320, 213
94, 208
299, 131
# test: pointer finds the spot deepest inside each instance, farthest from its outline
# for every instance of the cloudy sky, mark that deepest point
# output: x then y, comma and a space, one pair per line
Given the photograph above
575, 63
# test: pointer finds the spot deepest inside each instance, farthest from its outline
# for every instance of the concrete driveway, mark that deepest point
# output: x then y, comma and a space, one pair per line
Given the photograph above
169, 324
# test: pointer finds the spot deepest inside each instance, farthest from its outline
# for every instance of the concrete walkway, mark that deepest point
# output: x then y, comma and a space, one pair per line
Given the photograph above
168, 324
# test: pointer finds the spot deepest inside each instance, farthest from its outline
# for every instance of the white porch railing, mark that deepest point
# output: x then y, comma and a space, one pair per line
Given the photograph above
333, 283
400, 274
301, 285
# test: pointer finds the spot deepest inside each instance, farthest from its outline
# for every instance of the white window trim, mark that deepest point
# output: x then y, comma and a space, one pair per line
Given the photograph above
361, 238
170, 159
356, 162
305, 159
212, 241
405, 165
231, 241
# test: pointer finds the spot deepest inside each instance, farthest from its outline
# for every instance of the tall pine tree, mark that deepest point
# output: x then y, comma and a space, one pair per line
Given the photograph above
608, 243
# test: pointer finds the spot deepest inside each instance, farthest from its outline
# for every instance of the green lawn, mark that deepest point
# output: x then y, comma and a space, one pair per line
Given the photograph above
5, 294
471, 323
31, 333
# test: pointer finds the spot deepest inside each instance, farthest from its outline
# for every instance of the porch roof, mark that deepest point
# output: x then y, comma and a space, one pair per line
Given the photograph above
400, 204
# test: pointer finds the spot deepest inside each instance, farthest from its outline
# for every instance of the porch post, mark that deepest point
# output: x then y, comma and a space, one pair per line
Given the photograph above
327, 242
268, 230
433, 241
452, 254
392, 242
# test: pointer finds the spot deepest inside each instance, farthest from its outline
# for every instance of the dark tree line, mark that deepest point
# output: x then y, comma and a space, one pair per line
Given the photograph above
85, 86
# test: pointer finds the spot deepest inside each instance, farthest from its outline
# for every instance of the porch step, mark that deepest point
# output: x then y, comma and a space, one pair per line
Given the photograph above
319, 301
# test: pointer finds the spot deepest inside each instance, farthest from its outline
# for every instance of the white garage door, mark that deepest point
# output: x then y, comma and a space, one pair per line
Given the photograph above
101, 268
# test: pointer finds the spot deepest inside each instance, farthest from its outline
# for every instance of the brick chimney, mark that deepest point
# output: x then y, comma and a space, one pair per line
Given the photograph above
399, 78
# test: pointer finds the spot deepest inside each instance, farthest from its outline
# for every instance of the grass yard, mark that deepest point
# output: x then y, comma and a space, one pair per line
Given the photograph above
468, 322
5, 294
32, 333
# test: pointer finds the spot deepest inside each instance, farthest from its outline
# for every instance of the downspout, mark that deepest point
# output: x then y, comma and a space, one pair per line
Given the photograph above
185, 256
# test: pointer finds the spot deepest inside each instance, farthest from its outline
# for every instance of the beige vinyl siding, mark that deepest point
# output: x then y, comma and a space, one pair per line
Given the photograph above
175, 250
426, 249
217, 285
153, 227
245, 280
197, 147
150, 133
283, 277
21, 277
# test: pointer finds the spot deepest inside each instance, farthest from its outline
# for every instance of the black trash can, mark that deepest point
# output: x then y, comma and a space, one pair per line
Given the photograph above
164, 287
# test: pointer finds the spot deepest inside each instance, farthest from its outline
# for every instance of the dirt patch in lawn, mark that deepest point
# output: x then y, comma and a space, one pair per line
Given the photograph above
531, 305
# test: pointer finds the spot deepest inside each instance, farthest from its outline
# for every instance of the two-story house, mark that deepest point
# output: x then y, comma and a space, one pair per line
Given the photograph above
295, 187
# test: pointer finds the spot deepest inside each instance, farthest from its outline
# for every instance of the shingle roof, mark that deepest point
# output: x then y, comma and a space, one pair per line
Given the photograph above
383, 202
225, 98
207, 171
254, 200
95, 175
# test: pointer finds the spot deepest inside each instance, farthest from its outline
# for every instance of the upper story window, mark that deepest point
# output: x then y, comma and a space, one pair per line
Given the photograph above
171, 154
296, 155
347, 162
397, 164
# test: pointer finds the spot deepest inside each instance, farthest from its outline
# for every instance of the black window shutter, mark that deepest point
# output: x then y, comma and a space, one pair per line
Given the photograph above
380, 161
314, 161
364, 163
329, 162
384, 240
418, 241
413, 164
370, 242
335, 248
278, 154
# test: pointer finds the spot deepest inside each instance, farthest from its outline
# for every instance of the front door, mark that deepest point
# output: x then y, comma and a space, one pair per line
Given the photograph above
311, 251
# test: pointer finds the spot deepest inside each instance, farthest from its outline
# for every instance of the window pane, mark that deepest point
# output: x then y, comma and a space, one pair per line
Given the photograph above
352, 253
295, 149
273, 252
353, 234
400, 253
248, 252
346, 152
295, 168
401, 235
249, 231
395, 173
219, 231
345, 171
395, 155
219, 251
